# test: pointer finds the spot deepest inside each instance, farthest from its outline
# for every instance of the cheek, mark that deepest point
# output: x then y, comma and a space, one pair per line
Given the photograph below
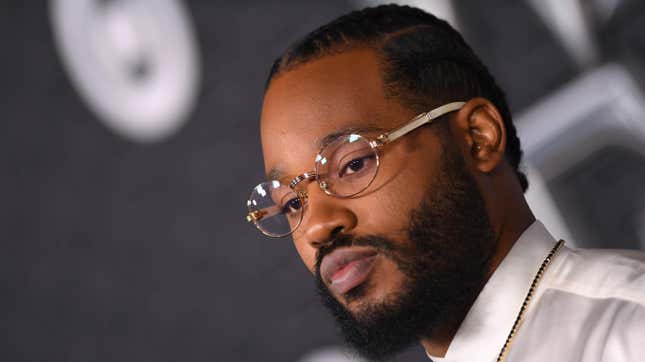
383, 213
403, 179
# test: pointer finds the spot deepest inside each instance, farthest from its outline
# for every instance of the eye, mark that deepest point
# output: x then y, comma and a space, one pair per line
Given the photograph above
356, 165
292, 206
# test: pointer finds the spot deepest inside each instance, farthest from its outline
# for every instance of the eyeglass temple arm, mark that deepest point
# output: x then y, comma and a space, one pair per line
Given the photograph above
419, 121
260, 214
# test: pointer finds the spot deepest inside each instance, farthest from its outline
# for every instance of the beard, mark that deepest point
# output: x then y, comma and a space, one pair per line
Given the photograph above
445, 266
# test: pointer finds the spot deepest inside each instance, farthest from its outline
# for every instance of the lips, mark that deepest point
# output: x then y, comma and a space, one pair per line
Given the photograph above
346, 268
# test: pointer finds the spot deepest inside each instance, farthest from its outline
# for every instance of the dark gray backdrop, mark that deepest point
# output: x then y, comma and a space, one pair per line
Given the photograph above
116, 251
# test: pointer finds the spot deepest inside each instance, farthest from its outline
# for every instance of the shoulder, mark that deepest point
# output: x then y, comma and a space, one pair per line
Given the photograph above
600, 273
590, 307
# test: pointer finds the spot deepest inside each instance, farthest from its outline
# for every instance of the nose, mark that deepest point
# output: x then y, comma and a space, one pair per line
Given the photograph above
326, 216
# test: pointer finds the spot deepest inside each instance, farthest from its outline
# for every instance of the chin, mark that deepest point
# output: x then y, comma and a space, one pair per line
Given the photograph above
365, 296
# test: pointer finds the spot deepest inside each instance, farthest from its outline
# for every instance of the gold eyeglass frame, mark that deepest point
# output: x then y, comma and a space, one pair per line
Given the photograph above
375, 144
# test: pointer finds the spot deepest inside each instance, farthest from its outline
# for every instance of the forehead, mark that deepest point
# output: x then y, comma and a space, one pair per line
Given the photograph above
304, 105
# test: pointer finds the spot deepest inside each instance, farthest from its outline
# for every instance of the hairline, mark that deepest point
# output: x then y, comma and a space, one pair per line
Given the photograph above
288, 63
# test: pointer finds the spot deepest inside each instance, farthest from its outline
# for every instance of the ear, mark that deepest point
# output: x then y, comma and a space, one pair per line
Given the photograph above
482, 128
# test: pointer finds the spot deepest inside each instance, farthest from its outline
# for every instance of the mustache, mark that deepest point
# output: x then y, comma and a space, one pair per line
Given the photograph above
384, 245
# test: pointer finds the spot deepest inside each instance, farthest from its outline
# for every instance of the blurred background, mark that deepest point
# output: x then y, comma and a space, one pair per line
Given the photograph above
132, 141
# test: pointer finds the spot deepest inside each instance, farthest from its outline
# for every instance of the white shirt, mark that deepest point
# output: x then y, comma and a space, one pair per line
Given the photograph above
589, 306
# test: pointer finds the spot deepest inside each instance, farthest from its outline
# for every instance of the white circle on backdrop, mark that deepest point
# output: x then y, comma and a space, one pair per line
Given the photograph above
135, 63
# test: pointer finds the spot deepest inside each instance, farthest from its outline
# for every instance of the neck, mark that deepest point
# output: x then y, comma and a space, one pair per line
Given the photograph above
509, 228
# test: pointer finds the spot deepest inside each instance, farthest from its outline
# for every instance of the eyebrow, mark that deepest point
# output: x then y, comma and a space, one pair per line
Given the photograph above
276, 172
331, 137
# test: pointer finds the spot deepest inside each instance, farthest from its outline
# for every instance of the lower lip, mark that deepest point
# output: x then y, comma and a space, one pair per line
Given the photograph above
352, 275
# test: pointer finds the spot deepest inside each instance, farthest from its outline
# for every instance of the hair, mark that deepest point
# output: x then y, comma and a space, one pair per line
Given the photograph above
424, 62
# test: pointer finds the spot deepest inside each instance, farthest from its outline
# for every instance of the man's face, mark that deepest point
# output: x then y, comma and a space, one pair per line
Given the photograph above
401, 250
320, 98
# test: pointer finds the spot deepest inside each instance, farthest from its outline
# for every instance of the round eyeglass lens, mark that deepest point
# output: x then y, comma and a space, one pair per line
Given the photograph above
347, 166
275, 208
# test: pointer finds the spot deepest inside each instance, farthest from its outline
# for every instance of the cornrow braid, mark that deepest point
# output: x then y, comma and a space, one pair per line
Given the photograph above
424, 61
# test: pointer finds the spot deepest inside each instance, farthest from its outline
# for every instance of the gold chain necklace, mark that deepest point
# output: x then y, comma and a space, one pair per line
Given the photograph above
527, 299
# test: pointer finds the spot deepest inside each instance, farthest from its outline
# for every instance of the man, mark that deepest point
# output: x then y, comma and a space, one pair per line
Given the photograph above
393, 163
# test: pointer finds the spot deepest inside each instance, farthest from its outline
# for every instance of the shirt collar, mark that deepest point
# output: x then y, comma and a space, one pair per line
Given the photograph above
486, 326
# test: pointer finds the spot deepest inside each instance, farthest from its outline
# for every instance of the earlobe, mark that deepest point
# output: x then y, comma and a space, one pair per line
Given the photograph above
485, 134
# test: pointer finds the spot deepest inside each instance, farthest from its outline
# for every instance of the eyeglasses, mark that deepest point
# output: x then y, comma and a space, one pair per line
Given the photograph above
343, 168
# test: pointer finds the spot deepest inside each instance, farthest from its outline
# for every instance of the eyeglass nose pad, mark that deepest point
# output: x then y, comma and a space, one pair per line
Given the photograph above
323, 185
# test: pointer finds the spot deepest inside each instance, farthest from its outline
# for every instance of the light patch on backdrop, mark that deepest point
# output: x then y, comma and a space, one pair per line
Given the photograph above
135, 63
331, 354
599, 111
443, 9
567, 20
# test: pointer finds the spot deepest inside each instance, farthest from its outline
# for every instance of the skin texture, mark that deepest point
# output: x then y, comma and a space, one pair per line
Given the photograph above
315, 99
